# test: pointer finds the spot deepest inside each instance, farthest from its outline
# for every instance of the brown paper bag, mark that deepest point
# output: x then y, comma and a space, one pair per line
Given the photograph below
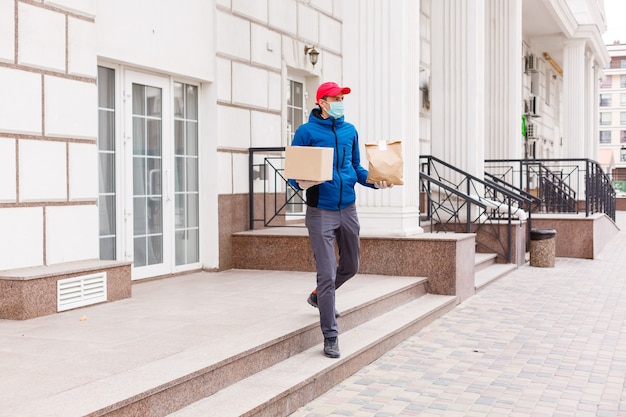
385, 162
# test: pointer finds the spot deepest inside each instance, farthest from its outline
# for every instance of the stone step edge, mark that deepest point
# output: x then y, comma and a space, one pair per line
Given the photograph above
288, 385
175, 372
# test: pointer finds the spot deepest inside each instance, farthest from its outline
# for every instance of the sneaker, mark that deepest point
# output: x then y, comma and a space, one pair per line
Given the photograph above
312, 300
331, 347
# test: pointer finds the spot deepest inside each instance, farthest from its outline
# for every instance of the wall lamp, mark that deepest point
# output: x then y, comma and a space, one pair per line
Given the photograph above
312, 53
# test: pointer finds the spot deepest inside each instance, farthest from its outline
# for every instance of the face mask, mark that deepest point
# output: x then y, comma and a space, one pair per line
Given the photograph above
336, 109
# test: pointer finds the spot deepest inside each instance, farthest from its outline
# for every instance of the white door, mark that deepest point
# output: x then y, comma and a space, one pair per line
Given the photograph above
161, 197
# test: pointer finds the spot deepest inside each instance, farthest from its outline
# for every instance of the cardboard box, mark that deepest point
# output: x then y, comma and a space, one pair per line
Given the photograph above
309, 163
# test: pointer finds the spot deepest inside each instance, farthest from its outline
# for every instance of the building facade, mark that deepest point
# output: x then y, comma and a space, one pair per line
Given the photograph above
612, 130
125, 126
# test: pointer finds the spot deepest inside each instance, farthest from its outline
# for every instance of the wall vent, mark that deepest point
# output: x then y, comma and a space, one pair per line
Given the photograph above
81, 291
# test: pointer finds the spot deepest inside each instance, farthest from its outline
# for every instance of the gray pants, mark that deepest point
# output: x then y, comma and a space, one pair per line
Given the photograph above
325, 227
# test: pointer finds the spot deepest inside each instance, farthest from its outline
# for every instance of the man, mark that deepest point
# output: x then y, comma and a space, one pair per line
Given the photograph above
331, 212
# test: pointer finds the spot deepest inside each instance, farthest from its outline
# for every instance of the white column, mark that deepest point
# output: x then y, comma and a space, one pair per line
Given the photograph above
503, 112
574, 82
458, 83
381, 65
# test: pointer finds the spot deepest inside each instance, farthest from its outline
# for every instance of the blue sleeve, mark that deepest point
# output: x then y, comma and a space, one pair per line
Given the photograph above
298, 140
361, 173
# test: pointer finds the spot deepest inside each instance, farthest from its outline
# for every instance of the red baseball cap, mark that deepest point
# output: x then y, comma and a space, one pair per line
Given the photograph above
330, 89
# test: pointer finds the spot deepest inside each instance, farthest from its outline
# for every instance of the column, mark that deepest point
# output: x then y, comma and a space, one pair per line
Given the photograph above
381, 65
574, 82
458, 83
503, 69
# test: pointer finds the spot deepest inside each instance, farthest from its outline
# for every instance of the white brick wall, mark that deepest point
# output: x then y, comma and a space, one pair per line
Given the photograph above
22, 245
83, 171
71, 234
42, 170
81, 47
41, 38
7, 31
264, 128
224, 75
233, 35
249, 85
233, 128
283, 15
308, 23
256, 9
20, 101
84, 7
71, 108
7, 171
265, 46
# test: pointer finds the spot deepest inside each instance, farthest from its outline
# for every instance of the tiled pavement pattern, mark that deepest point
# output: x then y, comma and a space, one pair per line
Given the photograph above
538, 342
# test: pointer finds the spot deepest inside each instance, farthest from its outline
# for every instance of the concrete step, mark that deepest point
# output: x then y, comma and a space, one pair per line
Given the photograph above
281, 389
183, 340
484, 260
486, 276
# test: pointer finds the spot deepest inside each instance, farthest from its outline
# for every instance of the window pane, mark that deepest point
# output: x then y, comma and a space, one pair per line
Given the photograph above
192, 174
107, 172
192, 102
622, 136
192, 210
605, 136
605, 100
606, 83
622, 118
106, 130
192, 139
155, 250
179, 100
106, 88
153, 103
179, 137
154, 137
139, 176
139, 136
623, 81
139, 100
107, 248
139, 215
106, 207
139, 255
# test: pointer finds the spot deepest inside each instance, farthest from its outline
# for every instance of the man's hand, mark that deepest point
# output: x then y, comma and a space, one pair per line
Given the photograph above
307, 184
382, 185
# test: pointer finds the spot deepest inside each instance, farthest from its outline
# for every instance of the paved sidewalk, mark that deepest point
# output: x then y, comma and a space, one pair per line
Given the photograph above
538, 342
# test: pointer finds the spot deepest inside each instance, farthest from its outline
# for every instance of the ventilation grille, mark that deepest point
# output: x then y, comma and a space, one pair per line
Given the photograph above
81, 291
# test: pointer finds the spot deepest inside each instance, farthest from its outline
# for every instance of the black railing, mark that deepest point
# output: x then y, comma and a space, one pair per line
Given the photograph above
281, 204
559, 183
460, 202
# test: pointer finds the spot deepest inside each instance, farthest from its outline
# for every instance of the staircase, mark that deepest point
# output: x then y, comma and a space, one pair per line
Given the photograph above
370, 327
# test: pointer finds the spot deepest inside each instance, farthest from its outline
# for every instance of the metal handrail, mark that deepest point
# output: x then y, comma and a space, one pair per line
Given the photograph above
275, 207
559, 182
468, 190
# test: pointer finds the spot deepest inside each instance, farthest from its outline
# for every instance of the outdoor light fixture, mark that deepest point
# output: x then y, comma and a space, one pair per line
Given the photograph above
312, 53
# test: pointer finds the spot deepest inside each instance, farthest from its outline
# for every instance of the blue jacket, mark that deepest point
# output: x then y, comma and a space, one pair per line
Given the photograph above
337, 193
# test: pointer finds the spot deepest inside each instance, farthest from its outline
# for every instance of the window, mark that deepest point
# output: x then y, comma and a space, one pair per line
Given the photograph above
622, 136
622, 81
622, 100
186, 189
605, 100
106, 163
295, 108
622, 63
295, 117
606, 83
605, 136
622, 118
548, 85
605, 119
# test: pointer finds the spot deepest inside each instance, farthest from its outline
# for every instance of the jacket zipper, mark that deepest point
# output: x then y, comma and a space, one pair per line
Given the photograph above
337, 165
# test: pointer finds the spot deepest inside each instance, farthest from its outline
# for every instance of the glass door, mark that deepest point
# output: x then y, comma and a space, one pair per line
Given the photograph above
148, 203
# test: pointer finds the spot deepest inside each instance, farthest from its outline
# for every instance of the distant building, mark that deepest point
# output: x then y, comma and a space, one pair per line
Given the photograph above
612, 129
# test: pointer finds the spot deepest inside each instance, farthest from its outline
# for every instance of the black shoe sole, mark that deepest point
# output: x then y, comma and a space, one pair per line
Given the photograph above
311, 303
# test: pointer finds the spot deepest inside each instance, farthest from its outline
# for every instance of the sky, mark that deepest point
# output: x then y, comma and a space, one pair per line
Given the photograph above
616, 21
